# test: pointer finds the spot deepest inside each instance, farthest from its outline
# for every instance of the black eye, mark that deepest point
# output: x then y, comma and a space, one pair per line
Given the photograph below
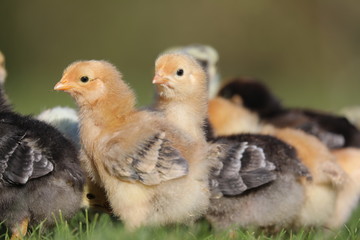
180, 72
84, 79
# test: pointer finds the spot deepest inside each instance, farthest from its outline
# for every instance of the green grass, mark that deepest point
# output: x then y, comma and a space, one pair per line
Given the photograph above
89, 225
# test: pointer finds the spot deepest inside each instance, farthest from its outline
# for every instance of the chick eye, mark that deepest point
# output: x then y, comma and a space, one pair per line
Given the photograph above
180, 72
84, 79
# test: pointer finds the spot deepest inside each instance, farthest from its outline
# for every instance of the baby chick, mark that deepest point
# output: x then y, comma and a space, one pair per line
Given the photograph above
40, 175
334, 131
181, 85
66, 120
144, 164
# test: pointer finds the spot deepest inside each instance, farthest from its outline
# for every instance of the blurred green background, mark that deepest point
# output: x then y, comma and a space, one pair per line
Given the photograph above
308, 51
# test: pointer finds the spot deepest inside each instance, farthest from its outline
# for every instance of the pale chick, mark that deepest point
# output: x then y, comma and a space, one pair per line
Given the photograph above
328, 178
182, 89
151, 172
2, 68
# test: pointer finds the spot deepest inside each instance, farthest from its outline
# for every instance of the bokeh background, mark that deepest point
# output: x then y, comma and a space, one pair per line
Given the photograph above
308, 52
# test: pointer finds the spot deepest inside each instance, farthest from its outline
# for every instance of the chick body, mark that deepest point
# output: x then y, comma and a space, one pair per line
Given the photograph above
59, 188
40, 173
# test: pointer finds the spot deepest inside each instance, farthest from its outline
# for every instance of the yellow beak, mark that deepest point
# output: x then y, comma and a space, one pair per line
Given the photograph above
160, 80
63, 85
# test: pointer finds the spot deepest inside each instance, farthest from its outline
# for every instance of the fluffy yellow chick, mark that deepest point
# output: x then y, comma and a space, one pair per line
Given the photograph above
151, 172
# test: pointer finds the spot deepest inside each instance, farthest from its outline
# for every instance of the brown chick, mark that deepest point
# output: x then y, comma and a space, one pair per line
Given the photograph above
328, 177
144, 164
182, 90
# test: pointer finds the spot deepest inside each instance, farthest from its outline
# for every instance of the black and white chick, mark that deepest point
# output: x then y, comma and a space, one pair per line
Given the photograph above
40, 174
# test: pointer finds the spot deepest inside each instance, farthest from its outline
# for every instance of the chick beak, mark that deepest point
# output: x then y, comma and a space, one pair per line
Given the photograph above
63, 85
158, 79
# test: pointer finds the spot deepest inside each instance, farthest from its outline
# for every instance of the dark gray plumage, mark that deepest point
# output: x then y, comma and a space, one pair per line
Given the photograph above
243, 167
40, 174
272, 194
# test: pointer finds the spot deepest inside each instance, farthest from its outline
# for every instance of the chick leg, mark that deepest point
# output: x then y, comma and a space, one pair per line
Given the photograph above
20, 230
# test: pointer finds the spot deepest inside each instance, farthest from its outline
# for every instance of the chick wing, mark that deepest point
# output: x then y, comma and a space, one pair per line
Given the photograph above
21, 160
154, 161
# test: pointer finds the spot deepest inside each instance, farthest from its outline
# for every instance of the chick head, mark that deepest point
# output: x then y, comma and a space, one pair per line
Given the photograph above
88, 81
2, 68
179, 76
207, 57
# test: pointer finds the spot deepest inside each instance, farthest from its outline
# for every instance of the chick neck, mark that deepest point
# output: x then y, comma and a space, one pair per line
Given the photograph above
187, 114
112, 108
